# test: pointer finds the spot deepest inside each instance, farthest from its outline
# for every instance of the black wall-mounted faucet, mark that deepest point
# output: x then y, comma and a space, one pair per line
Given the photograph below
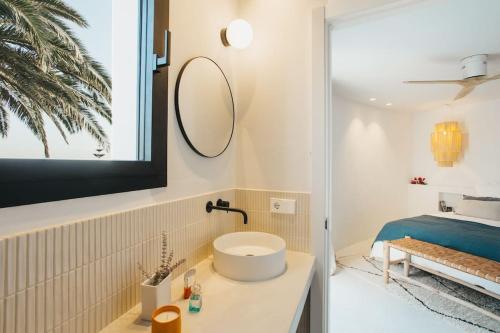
224, 206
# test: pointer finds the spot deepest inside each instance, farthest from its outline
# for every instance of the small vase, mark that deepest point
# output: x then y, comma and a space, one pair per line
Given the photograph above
154, 297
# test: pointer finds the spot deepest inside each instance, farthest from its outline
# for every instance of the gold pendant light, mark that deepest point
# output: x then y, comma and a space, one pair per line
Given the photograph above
446, 143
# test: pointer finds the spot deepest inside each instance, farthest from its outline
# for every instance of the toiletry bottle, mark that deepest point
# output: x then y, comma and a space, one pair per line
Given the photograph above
188, 282
195, 300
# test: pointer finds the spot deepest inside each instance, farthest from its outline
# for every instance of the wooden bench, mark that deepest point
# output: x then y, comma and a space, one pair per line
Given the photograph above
474, 265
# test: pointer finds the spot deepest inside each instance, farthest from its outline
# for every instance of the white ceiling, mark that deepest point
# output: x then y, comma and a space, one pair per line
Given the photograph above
425, 40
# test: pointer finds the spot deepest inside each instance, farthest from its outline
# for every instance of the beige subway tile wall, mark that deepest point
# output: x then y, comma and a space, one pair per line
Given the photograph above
83, 275
294, 228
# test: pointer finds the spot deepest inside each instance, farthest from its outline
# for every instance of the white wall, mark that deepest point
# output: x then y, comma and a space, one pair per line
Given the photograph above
274, 99
195, 26
480, 164
197, 32
371, 154
336, 8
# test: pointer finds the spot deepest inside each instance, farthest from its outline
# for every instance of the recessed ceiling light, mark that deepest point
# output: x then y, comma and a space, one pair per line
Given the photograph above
388, 104
373, 99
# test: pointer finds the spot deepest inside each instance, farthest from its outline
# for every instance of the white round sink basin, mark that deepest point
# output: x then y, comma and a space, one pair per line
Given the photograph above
249, 256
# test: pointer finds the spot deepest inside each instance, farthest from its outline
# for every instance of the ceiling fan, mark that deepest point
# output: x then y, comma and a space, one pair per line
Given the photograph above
474, 71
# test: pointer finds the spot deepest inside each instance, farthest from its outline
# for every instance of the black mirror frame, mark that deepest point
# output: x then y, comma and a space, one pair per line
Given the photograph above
178, 109
25, 181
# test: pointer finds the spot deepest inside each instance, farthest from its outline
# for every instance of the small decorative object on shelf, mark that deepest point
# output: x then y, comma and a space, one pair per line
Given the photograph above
418, 181
195, 301
166, 319
156, 288
189, 277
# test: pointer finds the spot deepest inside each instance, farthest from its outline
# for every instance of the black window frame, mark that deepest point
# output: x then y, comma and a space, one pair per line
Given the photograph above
30, 181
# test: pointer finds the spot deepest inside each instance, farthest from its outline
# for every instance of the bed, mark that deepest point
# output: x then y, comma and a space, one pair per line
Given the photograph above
477, 236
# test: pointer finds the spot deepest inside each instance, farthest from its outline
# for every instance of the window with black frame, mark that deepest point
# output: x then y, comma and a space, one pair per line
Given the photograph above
82, 98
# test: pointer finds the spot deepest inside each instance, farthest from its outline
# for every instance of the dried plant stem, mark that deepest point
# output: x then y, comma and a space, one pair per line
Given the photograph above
144, 272
166, 267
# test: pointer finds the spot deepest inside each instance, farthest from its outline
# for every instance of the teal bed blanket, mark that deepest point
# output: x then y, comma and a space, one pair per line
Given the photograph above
464, 236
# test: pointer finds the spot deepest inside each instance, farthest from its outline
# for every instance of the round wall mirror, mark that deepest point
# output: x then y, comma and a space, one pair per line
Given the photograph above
204, 107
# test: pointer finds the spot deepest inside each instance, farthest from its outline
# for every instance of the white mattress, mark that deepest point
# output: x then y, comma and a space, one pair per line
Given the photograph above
378, 253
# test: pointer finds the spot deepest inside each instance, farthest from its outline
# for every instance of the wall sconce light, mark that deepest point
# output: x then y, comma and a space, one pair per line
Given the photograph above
446, 143
238, 34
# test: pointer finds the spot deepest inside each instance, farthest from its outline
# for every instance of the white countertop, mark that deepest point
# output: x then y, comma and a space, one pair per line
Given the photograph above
231, 306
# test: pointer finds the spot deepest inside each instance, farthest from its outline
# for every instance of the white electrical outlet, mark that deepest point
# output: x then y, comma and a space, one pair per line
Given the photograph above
282, 206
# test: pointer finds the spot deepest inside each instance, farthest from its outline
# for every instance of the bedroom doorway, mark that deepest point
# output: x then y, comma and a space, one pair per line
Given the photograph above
378, 140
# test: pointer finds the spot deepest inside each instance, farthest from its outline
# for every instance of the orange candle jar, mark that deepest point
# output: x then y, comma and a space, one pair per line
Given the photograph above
166, 319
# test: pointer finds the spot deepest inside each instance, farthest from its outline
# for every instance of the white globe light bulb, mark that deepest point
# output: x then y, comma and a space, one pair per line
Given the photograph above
239, 34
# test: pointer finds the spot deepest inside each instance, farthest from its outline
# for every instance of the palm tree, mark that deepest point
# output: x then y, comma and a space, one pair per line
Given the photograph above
46, 74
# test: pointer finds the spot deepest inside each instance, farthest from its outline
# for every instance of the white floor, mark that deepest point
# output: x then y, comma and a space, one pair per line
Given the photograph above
358, 305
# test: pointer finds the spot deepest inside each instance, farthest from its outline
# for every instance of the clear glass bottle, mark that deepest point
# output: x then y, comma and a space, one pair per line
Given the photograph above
189, 279
195, 301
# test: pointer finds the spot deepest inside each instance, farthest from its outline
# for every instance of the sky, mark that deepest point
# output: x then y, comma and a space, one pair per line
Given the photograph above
97, 38
20, 142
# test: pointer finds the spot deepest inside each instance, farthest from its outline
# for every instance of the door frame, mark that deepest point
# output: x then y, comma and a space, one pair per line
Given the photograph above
320, 189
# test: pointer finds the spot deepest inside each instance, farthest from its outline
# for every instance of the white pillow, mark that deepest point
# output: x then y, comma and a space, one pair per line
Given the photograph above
488, 190
476, 208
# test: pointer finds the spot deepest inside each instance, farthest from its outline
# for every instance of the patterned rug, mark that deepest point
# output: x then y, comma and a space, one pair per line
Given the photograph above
461, 316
